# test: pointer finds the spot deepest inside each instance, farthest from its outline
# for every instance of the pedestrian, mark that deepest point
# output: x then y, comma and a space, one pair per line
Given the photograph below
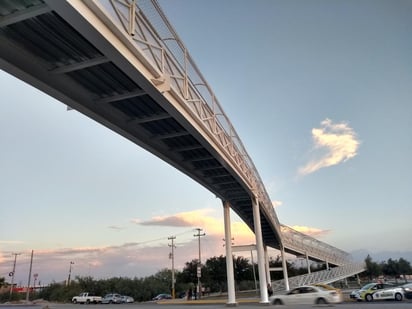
270, 290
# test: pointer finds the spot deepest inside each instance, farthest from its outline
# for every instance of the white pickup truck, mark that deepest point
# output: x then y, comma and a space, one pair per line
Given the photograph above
86, 298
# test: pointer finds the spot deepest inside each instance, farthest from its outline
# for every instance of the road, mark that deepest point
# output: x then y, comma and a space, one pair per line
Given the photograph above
244, 305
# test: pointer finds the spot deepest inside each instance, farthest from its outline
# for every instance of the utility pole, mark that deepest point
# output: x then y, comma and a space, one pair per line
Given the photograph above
13, 272
70, 273
28, 280
199, 266
172, 256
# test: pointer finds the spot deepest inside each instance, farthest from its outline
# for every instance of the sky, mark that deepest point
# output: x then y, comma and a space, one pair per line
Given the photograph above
320, 93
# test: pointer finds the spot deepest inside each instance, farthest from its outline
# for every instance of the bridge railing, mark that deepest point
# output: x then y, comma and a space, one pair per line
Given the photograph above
168, 58
314, 248
143, 24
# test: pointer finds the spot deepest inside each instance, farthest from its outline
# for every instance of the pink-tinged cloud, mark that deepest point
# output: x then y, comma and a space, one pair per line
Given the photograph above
311, 231
334, 143
202, 218
195, 218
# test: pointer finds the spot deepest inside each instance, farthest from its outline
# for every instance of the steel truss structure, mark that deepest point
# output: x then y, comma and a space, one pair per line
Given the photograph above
96, 74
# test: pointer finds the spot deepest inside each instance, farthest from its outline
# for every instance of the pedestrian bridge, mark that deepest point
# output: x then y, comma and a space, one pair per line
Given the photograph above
122, 64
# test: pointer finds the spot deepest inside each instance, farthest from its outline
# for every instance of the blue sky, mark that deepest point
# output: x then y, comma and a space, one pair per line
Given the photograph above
320, 94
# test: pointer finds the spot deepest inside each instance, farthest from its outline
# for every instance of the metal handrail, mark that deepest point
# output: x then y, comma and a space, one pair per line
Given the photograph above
165, 54
160, 43
320, 277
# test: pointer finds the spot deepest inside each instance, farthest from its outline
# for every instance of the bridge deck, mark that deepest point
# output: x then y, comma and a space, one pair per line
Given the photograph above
124, 77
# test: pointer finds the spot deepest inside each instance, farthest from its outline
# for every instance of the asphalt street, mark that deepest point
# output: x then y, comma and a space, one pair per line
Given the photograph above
203, 305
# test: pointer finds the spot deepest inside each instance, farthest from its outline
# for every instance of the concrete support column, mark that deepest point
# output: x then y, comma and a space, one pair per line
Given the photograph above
307, 262
327, 265
285, 268
231, 301
260, 252
268, 279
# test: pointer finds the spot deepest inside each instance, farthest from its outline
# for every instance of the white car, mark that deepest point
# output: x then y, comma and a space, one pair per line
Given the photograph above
307, 295
395, 293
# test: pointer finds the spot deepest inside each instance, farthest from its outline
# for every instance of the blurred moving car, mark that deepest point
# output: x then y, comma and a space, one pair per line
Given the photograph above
306, 295
113, 298
127, 299
407, 290
162, 296
328, 287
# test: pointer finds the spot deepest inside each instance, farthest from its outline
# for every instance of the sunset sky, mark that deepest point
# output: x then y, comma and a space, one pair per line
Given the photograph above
320, 93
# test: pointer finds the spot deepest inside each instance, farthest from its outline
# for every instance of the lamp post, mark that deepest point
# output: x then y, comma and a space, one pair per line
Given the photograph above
70, 273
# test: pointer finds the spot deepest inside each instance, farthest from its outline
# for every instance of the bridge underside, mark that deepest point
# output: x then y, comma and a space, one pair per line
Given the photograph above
90, 75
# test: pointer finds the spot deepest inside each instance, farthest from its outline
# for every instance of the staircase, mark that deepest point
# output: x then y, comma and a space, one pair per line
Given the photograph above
323, 276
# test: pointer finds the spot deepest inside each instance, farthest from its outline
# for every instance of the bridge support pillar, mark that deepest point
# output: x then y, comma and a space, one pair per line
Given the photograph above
260, 252
285, 269
268, 279
231, 301
307, 262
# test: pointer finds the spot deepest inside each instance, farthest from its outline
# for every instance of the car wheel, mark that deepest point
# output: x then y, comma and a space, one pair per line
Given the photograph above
277, 302
368, 297
88, 301
75, 301
320, 301
398, 296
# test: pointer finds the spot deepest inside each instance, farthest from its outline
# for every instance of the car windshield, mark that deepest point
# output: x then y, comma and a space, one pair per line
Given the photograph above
368, 286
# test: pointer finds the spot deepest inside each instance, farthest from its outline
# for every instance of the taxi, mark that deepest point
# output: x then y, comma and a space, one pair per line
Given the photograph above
366, 293
394, 293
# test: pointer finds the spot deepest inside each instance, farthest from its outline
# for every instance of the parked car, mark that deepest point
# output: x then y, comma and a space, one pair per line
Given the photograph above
127, 299
86, 298
112, 299
407, 290
162, 296
306, 295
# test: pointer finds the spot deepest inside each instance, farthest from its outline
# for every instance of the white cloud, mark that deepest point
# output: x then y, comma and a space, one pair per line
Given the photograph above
276, 203
334, 143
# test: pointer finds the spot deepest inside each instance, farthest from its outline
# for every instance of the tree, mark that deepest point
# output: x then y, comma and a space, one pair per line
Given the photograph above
215, 271
373, 269
391, 269
243, 270
189, 272
404, 268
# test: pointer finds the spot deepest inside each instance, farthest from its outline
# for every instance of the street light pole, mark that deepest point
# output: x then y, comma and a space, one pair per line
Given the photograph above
172, 255
199, 266
70, 273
